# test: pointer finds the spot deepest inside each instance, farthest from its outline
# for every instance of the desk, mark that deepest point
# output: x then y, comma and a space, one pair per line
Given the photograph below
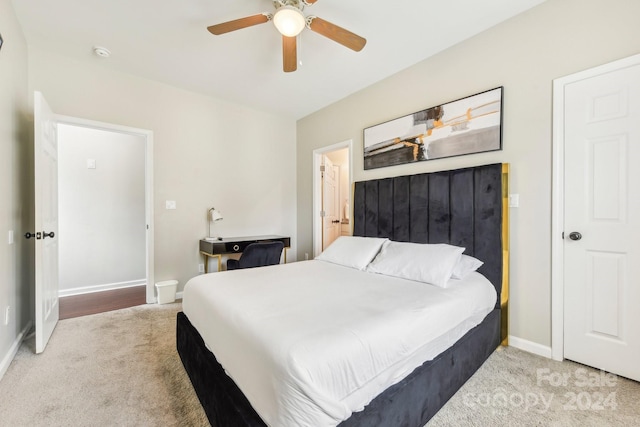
235, 245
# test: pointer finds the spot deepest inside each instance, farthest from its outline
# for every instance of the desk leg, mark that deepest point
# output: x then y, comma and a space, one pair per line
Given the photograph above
206, 257
285, 255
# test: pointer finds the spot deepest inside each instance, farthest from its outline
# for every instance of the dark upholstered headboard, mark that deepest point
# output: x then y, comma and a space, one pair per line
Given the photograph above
462, 207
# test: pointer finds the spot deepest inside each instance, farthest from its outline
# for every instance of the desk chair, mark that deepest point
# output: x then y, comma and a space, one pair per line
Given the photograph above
257, 255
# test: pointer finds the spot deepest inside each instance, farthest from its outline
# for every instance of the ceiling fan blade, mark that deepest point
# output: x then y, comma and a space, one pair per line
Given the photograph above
337, 34
289, 54
239, 24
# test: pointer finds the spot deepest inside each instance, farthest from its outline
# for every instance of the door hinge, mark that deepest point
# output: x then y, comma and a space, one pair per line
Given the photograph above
563, 235
322, 168
323, 214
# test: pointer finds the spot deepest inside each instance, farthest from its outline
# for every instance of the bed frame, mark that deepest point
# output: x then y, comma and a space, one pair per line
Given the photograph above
463, 207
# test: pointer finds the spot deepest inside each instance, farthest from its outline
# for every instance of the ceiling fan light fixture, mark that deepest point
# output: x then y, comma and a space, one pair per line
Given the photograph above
289, 20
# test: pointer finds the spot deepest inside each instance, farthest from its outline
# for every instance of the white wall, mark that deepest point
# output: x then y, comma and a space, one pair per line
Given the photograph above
16, 187
523, 54
102, 235
207, 152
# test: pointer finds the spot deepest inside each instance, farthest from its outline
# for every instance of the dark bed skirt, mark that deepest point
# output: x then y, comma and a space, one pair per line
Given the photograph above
411, 402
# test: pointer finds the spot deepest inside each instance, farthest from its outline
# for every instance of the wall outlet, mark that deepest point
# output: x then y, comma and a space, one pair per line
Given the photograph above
306, 256
170, 204
7, 314
514, 200
200, 268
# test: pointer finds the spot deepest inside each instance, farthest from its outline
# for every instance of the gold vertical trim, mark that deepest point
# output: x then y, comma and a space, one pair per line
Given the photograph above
504, 299
352, 207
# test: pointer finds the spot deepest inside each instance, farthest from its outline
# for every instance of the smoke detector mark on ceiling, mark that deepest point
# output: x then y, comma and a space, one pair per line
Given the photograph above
102, 52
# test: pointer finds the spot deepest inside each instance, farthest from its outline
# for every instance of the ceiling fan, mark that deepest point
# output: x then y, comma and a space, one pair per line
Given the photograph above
290, 20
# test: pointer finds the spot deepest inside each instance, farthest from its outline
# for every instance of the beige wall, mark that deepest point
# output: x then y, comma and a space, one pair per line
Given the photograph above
524, 55
207, 152
16, 168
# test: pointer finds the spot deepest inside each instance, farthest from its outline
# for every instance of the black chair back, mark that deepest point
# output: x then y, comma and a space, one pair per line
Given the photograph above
258, 254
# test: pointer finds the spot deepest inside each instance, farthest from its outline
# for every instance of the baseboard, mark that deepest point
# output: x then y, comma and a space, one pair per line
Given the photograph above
100, 288
155, 299
8, 358
530, 346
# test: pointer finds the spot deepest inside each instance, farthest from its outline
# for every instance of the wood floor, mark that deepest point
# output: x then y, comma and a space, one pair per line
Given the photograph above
99, 302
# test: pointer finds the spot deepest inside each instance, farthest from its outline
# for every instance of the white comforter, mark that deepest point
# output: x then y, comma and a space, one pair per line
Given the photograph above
308, 343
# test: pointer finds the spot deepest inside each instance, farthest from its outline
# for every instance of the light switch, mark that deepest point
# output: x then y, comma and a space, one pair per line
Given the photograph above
514, 200
91, 163
170, 204
10, 237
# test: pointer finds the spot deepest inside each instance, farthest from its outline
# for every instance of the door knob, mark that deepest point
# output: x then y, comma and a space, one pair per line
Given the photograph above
574, 235
50, 234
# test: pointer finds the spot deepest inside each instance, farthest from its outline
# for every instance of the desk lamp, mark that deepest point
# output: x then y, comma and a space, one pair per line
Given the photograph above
214, 216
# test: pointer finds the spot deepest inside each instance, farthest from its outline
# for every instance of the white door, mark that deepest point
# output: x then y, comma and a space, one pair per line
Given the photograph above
46, 221
330, 204
602, 204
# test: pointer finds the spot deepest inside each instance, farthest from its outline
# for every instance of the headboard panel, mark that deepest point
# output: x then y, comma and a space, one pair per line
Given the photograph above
462, 207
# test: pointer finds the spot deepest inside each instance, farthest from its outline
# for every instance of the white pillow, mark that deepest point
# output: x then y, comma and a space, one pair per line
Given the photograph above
430, 263
466, 265
352, 251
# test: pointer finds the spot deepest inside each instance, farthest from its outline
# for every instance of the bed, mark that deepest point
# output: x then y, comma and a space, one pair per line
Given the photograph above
463, 207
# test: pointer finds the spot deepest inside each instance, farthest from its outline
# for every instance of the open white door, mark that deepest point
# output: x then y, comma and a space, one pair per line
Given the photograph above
46, 220
330, 204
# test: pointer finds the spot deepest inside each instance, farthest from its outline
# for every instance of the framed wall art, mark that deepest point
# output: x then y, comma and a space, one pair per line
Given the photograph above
465, 126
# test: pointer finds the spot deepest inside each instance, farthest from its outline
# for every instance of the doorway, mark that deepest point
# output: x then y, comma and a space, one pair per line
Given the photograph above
332, 178
105, 207
596, 213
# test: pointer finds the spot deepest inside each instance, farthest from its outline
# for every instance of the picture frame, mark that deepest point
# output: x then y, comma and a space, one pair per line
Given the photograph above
468, 125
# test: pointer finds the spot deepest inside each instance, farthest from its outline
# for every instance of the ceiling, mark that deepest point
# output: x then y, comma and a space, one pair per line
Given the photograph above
167, 41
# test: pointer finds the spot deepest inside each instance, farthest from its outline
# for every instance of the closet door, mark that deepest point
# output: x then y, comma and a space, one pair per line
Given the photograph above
602, 220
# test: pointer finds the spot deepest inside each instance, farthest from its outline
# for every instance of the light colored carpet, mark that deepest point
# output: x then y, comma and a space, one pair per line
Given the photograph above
118, 368
516, 388
121, 368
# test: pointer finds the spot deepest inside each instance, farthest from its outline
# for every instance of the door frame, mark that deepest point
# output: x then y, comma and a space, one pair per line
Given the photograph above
147, 135
317, 188
557, 198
